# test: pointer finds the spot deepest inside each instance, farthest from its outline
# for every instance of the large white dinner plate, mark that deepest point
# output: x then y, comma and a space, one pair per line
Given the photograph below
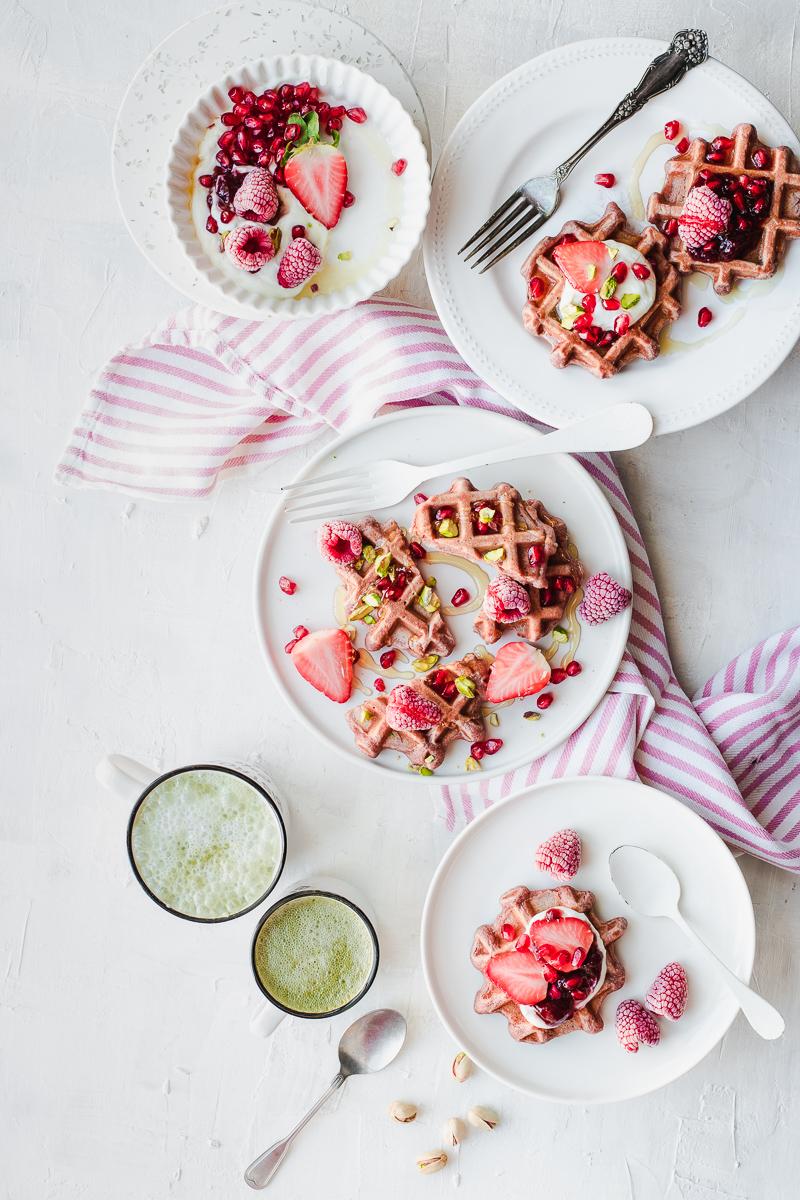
496, 852
526, 124
420, 435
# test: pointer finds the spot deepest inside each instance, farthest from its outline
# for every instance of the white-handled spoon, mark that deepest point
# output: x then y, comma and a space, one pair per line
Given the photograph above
652, 889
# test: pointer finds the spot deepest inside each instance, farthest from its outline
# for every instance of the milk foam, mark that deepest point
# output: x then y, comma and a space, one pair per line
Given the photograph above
206, 843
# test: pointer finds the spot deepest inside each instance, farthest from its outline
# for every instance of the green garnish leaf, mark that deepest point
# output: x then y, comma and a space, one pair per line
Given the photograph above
334, 135
629, 299
312, 127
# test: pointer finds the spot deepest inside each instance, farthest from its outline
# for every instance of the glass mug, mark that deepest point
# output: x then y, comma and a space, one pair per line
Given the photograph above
315, 953
206, 842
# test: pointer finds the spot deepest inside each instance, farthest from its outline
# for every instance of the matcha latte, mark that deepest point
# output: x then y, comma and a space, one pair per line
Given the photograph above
206, 843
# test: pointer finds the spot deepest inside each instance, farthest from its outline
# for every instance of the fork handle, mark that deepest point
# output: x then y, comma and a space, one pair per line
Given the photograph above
687, 49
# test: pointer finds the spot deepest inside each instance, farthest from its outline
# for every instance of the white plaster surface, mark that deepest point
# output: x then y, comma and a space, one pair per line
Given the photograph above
127, 1067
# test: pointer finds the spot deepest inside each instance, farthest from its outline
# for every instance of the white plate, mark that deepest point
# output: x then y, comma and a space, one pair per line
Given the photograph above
415, 436
527, 123
183, 66
496, 852
362, 231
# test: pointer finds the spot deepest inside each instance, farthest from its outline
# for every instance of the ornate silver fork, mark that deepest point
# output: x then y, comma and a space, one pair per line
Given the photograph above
533, 202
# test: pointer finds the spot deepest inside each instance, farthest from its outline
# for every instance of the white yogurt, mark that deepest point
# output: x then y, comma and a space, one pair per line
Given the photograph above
528, 1011
604, 318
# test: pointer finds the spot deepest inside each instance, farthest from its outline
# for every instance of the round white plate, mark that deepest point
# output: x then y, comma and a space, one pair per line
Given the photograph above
526, 124
496, 852
416, 436
186, 64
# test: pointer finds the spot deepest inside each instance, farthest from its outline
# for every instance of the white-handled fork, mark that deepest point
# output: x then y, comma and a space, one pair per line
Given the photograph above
378, 484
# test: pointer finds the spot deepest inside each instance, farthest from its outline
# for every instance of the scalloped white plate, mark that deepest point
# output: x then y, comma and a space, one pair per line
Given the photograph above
388, 134
528, 122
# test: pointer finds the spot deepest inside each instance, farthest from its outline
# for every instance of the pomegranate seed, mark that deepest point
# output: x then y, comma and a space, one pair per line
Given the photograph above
619, 272
460, 597
535, 554
492, 745
323, 111
288, 586
236, 95
477, 750
605, 179
558, 675
607, 339
292, 132
545, 597
593, 334
445, 513
588, 302
523, 943
551, 915
226, 215
722, 144
289, 647
554, 992
222, 158
744, 180
286, 91
671, 130
612, 303
760, 158
761, 206
582, 323
545, 700
572, 982
387, 659
380, 686
671, 227
211, 225
280, 177
206, 180
536, 288
399, 165
508, 932
715, 156
335, 123
302, 90
550, 975
567, 238
264, 160
704, 317
239, 156
298, 231
299, 632
256, 124
420, 497
416, 550
229, 118
641, 271
579, 994
241, 110
349, 200
742, 224
574, 668
683, 145
227, 140
622, 324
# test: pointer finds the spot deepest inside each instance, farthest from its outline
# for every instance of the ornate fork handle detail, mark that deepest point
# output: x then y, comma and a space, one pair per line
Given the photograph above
689, 48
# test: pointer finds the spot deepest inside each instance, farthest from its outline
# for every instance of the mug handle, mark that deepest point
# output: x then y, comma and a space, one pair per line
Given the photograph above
266, 1020
124, 776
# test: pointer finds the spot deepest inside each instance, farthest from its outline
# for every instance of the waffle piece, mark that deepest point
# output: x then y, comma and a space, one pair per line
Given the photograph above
548, 602
783, 216
461, 718
399, 622
517, 907
522, 527
540, 316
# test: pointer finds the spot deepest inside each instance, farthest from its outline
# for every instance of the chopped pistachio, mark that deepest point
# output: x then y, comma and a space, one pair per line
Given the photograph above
358, 564
494, 556
370, 619
613, 251
591, 271
372, 599
365, 716
425, 771
382, 564
448, 528
472, 764
428, 600
345, 255
569, 315
466, 686
485, 515
431, 582
368, 553
429, 760
360, 612
560, 635
608, 288
629, 299
494, 719
531, 716
425, 664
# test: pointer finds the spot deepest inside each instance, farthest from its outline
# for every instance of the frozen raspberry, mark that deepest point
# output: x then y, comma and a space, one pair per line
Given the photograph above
603, 598
635, 1025
257, 198
249, 247
408, 710
560, 855
705, 214
666, 996
506, 600
340, 542
301, 259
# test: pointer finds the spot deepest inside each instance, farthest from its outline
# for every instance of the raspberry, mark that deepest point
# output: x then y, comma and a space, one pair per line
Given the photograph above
635, 1025
666, 996
705, 214
249, 247
408, 710
560, 855
506, 600
301, 259
603, 598
257, 198
340, 542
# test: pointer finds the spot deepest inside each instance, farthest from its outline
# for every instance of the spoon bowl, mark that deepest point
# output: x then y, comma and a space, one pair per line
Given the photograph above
645, 881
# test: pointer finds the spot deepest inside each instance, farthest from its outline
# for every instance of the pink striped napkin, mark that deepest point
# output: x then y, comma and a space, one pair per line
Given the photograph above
209, 394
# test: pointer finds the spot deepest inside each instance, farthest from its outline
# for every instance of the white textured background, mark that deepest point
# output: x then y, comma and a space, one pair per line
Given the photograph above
127, 1070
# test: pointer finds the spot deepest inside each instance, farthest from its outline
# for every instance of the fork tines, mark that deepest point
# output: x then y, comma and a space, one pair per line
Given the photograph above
497, 236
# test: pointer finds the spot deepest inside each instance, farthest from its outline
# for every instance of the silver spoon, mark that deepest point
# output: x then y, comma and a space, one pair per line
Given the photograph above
652, 888
369, 1044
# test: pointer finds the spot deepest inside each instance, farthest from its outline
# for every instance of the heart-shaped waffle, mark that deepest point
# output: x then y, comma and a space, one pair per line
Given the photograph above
783, 210
518, 906
540, 314
462, 718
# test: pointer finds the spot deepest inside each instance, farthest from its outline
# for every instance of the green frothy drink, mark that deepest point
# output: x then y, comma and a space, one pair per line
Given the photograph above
314, 954
206, 844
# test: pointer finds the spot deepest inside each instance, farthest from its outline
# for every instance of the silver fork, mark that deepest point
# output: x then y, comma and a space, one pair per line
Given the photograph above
379, 484
533, 202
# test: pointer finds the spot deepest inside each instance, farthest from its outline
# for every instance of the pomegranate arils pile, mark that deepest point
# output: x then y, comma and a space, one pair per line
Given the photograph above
259, 128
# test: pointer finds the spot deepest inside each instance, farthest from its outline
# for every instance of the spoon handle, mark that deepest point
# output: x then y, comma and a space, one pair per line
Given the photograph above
262, 1169
765, 1020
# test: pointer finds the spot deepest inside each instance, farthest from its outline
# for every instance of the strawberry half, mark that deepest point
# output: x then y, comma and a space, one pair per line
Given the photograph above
563, 943
518, 670
519, 974
317, 175
325, 660
585, 264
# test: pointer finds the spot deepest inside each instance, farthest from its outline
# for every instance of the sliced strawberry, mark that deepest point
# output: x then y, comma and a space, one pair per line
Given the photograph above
325, 660
317, 175
519, 669
519, 974
563, 943
585, 264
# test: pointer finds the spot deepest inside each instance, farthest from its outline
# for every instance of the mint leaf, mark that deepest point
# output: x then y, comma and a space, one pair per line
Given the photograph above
312, 127
335, 137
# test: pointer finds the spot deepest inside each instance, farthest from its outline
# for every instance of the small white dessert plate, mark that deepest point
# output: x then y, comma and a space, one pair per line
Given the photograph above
418, 435
526, 124
372, 240
496, 852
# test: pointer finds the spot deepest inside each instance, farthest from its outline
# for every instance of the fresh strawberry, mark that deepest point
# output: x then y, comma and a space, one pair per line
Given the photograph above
635, 1025
317, 175
585, 264
562, 943
519, 974
560, 855
325, 660
666, 996
519, 669
407, 709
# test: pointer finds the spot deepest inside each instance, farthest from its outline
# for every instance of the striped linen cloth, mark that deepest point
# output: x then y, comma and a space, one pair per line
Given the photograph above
210, 394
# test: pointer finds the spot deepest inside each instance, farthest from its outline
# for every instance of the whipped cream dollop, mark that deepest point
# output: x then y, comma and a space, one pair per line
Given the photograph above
643, 289
528, 1010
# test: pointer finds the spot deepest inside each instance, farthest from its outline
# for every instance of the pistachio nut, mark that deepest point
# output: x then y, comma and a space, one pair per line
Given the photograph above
482, 1118
402, 1112
454, 1130
434, 1160
462, 1067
